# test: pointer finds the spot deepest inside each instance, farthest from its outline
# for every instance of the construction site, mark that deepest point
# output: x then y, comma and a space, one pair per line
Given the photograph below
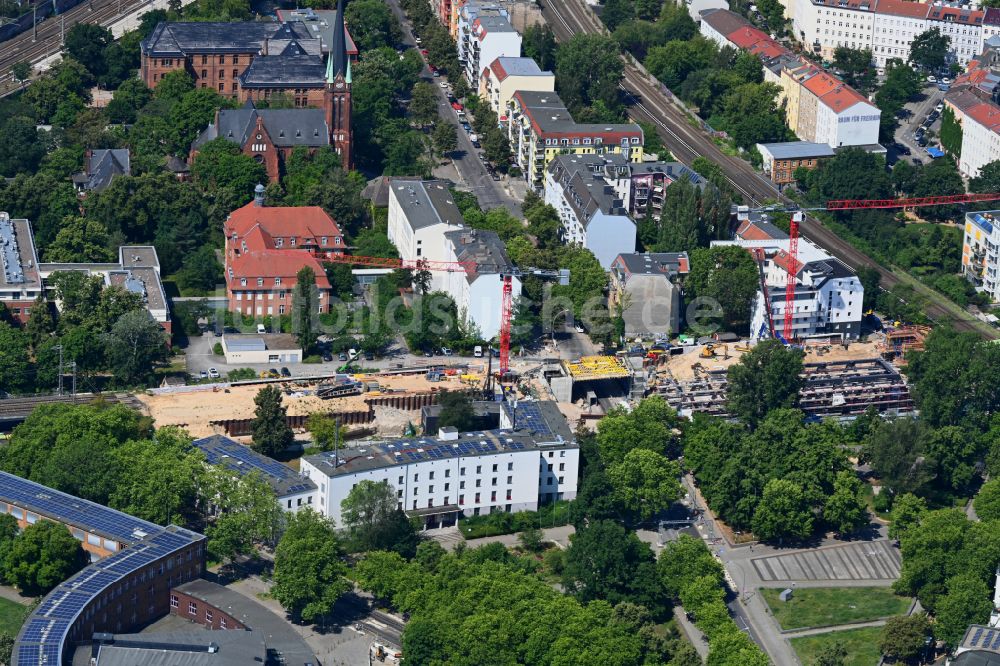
838, 380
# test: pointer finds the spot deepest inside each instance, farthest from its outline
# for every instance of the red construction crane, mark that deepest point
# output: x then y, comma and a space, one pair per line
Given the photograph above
507, 278
840, 205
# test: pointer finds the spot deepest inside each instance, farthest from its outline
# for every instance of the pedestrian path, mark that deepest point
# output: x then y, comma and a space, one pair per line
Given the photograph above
863, 560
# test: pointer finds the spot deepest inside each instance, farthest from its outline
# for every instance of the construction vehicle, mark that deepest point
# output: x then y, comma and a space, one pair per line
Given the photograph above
434, 376
328, 391
792, 265
708, 351
506, 277
743, 347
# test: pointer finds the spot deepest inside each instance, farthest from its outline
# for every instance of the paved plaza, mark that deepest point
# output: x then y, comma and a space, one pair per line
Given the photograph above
860, 561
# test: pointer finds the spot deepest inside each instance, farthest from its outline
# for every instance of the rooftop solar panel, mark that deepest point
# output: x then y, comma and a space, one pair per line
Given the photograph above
975, 636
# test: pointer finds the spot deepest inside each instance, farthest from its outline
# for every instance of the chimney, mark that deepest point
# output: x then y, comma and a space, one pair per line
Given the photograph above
258, 196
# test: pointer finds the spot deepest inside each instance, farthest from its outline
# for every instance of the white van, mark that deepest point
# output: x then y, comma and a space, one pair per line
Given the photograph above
261, 330
477, 351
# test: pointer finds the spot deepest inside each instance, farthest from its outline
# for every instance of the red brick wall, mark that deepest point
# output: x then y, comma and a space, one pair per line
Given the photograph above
265, 299
20, 310
203, 613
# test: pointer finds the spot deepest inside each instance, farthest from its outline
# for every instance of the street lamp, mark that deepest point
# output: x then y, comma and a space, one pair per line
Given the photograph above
59, 348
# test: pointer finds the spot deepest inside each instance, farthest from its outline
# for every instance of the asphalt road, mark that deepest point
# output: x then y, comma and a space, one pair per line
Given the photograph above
651, 103
918, 112
489, 192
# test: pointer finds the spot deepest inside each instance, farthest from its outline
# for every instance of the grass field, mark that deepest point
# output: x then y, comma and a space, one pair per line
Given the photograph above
11, 616
861, 645
830, 606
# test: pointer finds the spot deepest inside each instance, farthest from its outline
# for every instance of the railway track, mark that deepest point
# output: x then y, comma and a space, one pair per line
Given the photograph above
649, 103
22, 48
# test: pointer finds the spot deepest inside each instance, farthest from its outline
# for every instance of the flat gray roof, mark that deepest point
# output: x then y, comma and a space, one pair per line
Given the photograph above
176, 648
19, 261
791, 150
426, 202
277, 632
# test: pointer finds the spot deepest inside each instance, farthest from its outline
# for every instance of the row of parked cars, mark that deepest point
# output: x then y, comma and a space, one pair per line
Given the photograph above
920, 134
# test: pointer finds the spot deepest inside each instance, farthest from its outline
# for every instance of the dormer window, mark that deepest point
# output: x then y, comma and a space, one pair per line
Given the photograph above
277, 282
243, 282
322, 240
260, 282
278, 242
291, 241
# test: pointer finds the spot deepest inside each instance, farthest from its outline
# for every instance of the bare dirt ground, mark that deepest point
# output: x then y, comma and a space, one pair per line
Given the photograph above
682, 367
194, 410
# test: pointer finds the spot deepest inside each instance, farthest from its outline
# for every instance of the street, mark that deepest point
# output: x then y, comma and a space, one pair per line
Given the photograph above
919, 109
490, 193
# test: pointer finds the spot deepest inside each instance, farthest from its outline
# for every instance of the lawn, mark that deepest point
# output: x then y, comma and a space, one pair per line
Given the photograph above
12, 616
830, 606
861, 645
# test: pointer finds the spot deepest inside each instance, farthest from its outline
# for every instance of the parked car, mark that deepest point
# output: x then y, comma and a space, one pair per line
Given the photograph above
939, 107
443, 84
922, 141
428, 353
434, 72
475, 143
495, 176
327, 357
456, 106
285, 372
446, 351
203, 375
369, 356
467, 127
342, 356
946, 81
477, 351
213, 373
931, 79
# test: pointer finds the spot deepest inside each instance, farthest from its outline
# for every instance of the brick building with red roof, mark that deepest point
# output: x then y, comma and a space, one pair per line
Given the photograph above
265, 249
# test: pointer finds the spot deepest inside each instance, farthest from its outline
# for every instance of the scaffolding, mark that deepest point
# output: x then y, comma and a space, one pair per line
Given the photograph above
594, 368
830, 389
900, 340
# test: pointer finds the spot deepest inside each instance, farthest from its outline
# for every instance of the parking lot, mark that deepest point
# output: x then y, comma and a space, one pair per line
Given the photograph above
860, 561
918, 112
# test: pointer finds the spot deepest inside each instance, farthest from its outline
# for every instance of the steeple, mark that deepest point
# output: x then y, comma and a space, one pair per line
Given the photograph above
338, 62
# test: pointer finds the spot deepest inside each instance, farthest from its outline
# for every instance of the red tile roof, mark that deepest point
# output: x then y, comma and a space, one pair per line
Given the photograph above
833, 92
282, 221
746, 36
271, 264
986, 114
902, 8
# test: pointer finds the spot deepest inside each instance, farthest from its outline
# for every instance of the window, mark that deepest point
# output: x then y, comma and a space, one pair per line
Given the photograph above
494, 481
461, 471
322, 241
562, 467
430, 488
416, 491
173, 601
510, 467
493, 496
399, 493
447, 473
298, 502
281, 309
400, 481
477, 498
289, 504
209, 616
222, 60
510, 480
479, 469
416, 477
549, 481
479, 483
430, 504
277, 282
222, 622
222, 87
549, 467
494, 468
461, 485
414, 504
446, 487
236, 60
222, 75
431, 475
561, 479
204, 61
236, 73
461, 500
192, 608
204, 73
260, 282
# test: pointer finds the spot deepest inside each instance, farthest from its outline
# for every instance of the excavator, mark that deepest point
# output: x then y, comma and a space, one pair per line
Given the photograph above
709, 351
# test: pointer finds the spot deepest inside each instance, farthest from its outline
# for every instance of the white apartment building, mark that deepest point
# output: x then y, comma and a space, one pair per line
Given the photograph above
420, 213
592, 213
979, 252
828, 294
505, 76
980, 138
490, 37
530, 459
887, 27
478, 294
467, 14
991, 26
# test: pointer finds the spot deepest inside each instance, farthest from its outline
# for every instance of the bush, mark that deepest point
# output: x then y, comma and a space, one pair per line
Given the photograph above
495, 524
241, 374
313, 358
217, 349
554, 560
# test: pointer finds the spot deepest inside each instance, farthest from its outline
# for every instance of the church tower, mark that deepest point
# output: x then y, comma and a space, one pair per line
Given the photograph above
337, 96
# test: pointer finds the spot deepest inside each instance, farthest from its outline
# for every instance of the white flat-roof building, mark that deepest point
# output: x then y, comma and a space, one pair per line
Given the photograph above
479, 293
490, 37
979, 252
532, 458
420, 213
505, 76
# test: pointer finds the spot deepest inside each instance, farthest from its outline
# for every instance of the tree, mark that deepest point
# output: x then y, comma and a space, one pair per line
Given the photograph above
201, 271
191, 114
532, 540
445, 138
221, 164
649, 426
684, 560
136, 342
768, 377
604, 561
539, 43
80, 240
733, 647
835, 655
21, 71
424, 103
8, 532
845, 510
21, 150
14, 358
968, 601
87, 43
783, 512
870, 279
930, 49
859, 73
903, 636
930, 553
304, 304
325, 430
6, 647
588, 69
646, 483
987, 502
309, 574
371, 514
895, 450
457, 411
246, 509
907, 510
752, 114
723, 277
372, 24
270, 429
42, 556
616, 12
988, 179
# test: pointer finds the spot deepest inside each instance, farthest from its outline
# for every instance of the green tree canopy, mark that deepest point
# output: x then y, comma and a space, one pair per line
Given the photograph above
929, 49
646, 482
370, 512
768, 377
783, 512
42, 556
722, 277
309, 574
845, 510
651, 425
903, 636
270, 429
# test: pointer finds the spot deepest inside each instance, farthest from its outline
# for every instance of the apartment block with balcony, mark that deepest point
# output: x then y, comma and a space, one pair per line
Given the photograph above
980, 252
540, 127
490, 36
505, 76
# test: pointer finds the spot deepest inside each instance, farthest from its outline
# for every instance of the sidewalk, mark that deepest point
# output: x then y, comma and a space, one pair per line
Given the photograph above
10, 594
693, 633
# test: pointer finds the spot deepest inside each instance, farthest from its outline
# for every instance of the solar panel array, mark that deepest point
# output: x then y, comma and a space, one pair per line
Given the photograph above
74, 511
984, 638
528, 415
430, 449
44, 633
241, 459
